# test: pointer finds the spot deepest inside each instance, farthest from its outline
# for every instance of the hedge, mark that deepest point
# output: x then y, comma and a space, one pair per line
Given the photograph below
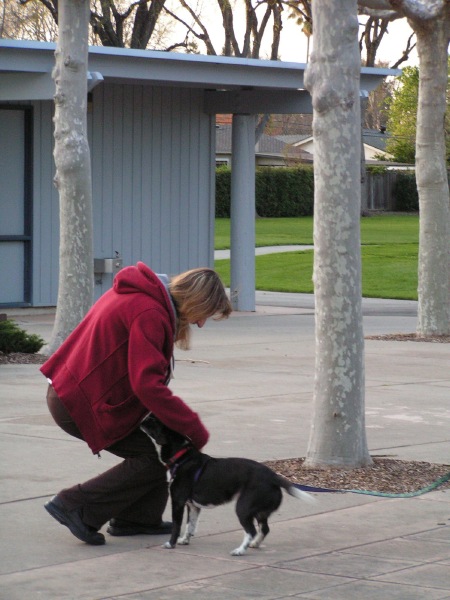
289, 191
279, 192
405, 193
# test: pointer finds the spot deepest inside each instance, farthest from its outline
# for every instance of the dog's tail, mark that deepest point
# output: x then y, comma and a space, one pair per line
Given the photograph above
292, 490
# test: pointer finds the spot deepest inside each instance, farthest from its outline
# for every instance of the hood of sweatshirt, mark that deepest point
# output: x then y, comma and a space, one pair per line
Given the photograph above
141, 279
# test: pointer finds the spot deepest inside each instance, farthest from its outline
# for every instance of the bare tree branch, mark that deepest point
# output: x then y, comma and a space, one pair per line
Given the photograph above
258, 33
51, 5
406, 52
228, 26
373, 34
204, 36
147, 15
389, 15
418, 10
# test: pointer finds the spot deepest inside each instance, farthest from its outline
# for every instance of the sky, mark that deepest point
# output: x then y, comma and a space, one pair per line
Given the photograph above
293, 46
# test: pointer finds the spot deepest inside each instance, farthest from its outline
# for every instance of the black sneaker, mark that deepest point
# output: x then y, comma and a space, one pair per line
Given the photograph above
119, 527
72, 519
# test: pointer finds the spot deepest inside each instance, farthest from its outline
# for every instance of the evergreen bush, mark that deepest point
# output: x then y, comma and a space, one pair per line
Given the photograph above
15, 339
289, 191
405, 193
223, 192
284, 192
279, 191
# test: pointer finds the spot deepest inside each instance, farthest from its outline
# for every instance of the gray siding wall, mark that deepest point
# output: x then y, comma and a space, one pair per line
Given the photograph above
152, 152
45, 259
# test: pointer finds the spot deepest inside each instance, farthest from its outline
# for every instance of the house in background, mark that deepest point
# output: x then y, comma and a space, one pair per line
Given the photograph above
270, 151
291, 149
152, 136
374, 144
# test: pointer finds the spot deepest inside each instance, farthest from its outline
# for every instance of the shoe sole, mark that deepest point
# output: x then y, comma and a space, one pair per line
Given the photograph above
59, 516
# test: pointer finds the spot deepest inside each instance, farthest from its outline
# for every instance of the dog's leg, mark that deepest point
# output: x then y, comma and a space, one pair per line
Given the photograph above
177, 520
263, 531
243, 547
191, 525
246, 520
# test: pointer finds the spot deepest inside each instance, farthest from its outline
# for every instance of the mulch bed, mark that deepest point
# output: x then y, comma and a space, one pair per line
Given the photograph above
21, 358
385, 475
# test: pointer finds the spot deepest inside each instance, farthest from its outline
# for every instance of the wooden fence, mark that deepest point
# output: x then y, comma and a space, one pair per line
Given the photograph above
380, 188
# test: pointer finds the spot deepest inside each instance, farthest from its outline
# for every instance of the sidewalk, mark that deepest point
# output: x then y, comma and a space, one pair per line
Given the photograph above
251, 378
259, 251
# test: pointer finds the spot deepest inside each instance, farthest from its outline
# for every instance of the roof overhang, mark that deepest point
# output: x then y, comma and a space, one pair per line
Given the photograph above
26, 74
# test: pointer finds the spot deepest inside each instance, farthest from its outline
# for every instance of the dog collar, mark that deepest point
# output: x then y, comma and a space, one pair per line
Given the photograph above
170, 463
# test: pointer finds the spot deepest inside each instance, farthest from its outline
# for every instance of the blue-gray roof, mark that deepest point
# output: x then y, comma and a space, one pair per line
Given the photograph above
35, 61
375, 138
267, 144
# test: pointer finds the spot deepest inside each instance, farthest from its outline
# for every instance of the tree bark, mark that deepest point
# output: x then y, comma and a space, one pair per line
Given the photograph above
73, 170
338, 429
145, 23
372, 36
431, 177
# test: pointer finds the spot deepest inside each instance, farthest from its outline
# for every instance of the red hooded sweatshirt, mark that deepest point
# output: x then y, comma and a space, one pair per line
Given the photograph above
113, 368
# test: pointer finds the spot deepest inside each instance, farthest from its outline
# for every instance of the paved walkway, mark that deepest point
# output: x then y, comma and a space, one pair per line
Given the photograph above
251, 378
218, 254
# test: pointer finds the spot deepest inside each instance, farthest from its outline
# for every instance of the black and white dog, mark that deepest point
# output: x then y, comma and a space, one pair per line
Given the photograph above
200, 481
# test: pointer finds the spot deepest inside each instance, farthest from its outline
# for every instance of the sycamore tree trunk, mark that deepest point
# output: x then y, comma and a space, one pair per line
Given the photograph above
338, 435
431, 177
73, 170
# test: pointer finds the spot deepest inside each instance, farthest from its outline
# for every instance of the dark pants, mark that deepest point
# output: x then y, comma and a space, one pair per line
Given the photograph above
135, 490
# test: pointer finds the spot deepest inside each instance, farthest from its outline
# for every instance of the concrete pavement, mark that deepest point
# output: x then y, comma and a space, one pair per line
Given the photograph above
261, 250
251, 379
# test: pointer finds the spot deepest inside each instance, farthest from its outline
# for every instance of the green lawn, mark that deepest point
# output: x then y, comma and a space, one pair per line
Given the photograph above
389, 255
270, 232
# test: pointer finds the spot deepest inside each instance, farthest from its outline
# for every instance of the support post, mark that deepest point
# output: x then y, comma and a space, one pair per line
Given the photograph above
364, 100
242, 211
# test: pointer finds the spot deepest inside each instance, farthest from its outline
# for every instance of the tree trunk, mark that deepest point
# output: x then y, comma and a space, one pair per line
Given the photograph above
338, 430
431, 177
73, 170
145, 23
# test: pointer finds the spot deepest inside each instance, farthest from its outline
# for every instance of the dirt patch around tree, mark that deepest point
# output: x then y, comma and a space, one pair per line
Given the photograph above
22, 358
385, 475
410, 337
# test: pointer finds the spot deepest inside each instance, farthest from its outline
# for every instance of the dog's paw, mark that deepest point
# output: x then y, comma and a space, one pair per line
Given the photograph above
237, 552
168, 546
254, 544
184, 541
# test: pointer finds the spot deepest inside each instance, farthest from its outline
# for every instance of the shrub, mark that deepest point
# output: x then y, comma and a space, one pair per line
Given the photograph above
223, 192
284, 192
279, 192
405, 193
377, 169
15, 339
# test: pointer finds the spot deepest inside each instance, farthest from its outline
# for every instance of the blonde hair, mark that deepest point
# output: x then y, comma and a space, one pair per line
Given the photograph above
197, 294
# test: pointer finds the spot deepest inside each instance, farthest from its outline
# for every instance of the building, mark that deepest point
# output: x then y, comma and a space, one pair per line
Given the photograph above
270, 151
151, 128
374, 143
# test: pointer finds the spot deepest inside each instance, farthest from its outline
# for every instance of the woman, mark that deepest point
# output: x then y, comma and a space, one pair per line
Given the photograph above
108, 375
